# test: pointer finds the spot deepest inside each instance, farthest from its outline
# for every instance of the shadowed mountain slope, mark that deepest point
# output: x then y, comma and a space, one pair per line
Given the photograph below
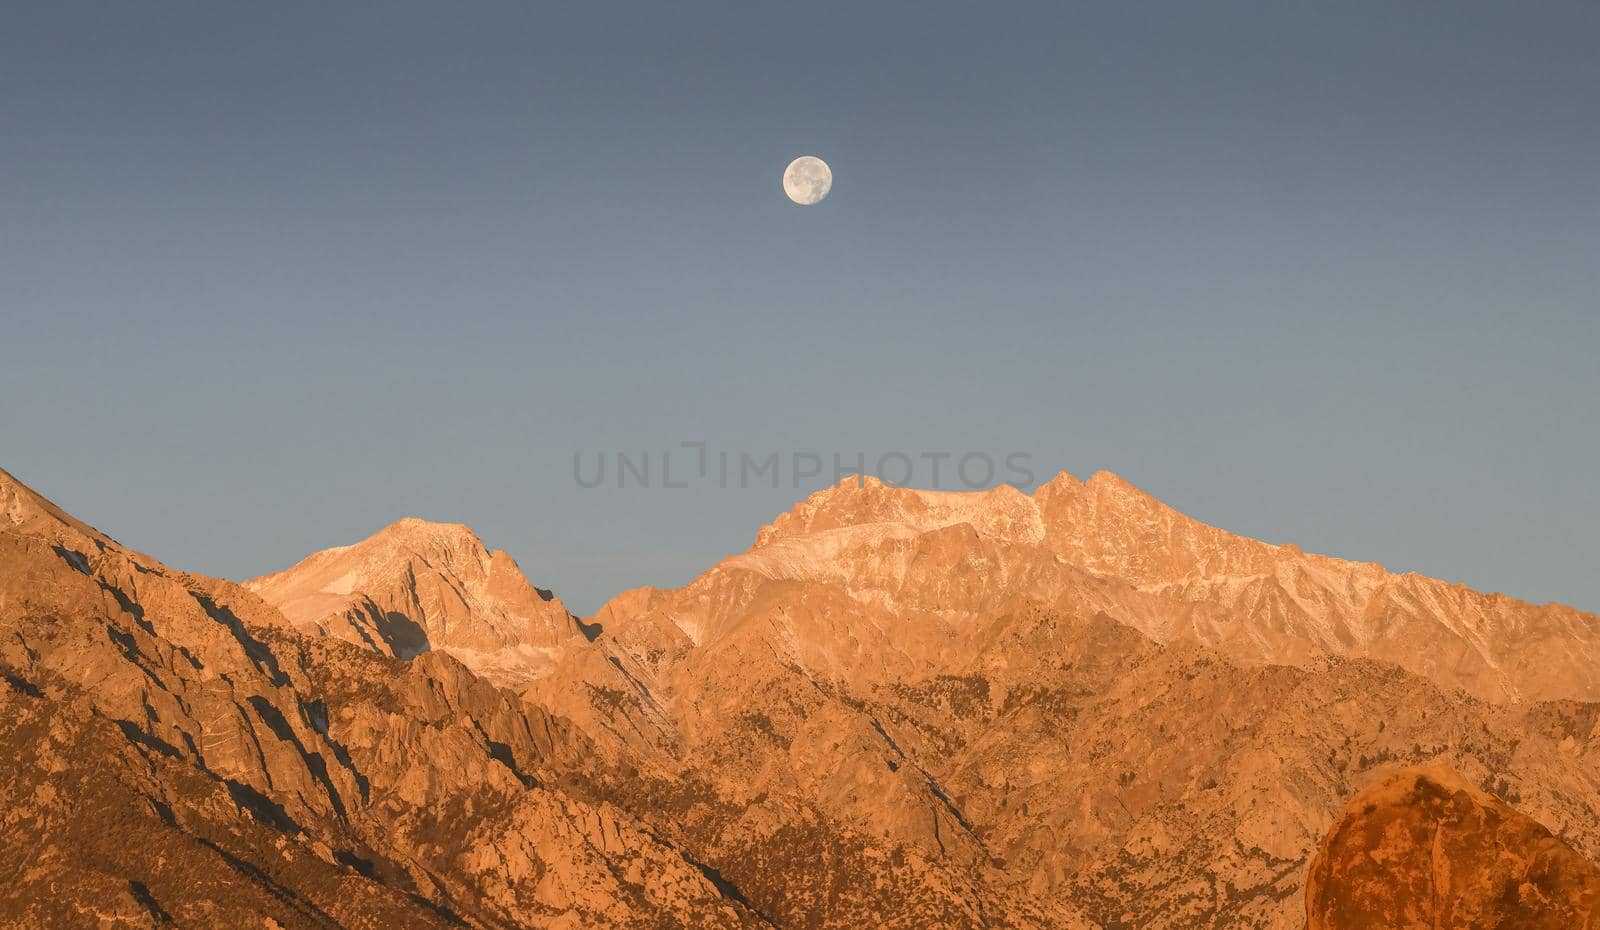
185, 759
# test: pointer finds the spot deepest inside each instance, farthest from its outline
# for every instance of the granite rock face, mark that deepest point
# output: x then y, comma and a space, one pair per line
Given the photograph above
1071, 709
184, 758
1421, 848
416, 586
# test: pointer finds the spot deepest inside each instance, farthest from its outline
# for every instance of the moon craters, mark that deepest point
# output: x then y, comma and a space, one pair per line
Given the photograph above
807, 180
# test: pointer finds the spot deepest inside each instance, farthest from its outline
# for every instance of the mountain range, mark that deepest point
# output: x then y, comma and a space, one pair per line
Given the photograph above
1074, 708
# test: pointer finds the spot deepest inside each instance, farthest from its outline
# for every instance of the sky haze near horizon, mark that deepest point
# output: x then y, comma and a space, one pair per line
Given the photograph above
275, 276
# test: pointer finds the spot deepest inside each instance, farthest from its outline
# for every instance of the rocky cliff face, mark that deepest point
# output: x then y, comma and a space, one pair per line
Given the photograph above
1423, 849
1100, 699
1070, 757
185, 759
415, 586
1070, 709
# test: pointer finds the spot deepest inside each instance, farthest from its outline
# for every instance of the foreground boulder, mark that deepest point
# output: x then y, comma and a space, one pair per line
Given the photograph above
1421, 848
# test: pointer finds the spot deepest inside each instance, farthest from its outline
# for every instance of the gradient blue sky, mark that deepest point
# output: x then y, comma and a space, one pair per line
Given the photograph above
276, 274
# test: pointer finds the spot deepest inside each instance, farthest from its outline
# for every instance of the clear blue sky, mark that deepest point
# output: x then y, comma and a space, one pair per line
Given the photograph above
272, 275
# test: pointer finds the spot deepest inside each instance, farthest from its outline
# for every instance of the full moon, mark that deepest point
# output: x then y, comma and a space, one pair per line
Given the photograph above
807, 180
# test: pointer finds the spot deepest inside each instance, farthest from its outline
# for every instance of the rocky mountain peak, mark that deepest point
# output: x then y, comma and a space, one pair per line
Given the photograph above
417, 585
415, 536
418, 529
1108, 543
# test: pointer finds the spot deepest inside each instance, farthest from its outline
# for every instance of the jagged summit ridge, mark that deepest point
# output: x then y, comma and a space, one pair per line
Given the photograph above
1002, 511
1105, 523
1104, 542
